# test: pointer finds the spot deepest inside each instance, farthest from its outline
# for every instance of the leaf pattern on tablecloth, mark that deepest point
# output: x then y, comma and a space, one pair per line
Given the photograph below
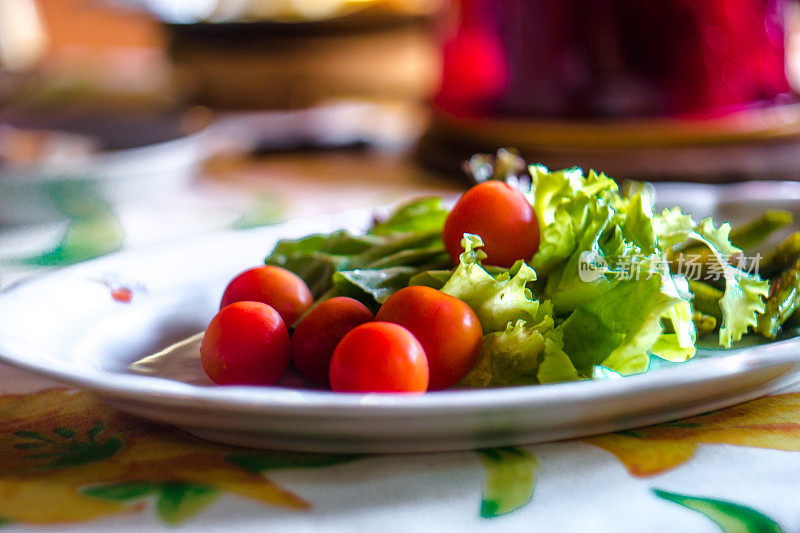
731, 517
175, 502
266, 211
67, 457
772, 422
83, 239
259, 462
67, 448
510, 478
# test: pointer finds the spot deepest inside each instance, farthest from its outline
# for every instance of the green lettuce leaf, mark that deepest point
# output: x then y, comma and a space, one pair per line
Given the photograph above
561, 218
556, 366
509, 357
431, 278
370, 285
637, 225
521, 355
672, 227
567, 287
610, 318
743, 299
744, 295
422, 214
618, 329
317, 258
519, 333
497, 301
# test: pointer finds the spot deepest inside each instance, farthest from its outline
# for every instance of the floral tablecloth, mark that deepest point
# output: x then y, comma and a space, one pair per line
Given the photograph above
69, 462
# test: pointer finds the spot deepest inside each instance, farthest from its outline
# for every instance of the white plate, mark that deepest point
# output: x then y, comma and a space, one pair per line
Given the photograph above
66, 326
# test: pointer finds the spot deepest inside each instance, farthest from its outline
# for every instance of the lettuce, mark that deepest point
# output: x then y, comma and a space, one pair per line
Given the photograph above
521, 355
612, 282
520, 345
556, 366
497, 301
743, 299
618, 329
424, 214
560, 217
508, 357
371, 266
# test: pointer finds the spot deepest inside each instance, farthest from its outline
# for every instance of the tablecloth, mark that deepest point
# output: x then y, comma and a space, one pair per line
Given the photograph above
69, 462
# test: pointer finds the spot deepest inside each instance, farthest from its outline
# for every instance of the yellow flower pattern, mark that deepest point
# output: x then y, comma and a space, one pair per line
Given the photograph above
59, 446
772, 422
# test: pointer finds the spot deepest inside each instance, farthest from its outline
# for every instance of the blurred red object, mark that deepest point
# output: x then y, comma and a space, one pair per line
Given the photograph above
614, 58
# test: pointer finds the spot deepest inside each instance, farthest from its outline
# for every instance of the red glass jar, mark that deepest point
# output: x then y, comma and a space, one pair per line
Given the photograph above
614, 58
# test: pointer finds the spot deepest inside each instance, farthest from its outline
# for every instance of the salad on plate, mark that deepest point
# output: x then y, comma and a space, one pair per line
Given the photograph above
532, 277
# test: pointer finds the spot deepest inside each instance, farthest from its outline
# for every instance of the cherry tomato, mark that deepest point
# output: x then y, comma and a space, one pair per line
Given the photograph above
379, 357
246, 343
502, 216
320, 331
282, 290
446, 327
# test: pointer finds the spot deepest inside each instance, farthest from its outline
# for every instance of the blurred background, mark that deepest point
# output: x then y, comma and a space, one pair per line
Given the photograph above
128, 121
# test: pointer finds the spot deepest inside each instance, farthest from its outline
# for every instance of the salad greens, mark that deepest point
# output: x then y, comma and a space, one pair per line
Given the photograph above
604, 292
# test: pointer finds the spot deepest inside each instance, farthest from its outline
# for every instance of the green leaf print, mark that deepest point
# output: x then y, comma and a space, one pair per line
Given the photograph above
84, 239
731, 517
30, 435
510, 478
66, 433
176, 502
265, 212
70, 448
121, 492
181, 501
259, 462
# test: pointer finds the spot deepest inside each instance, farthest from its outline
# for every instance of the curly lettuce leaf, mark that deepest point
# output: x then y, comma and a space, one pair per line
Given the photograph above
507, 357
569, 288
743, 299
637, 225
554, 195
590, 221
556, 366
496, 300
519, 345
521, 355
614, 313
744, 295
672, 227
618, 329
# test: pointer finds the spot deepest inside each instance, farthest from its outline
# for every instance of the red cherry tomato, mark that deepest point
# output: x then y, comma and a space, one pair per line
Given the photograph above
503, 218
320, 331
282, 290
246, 343
379, 357
446, 327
